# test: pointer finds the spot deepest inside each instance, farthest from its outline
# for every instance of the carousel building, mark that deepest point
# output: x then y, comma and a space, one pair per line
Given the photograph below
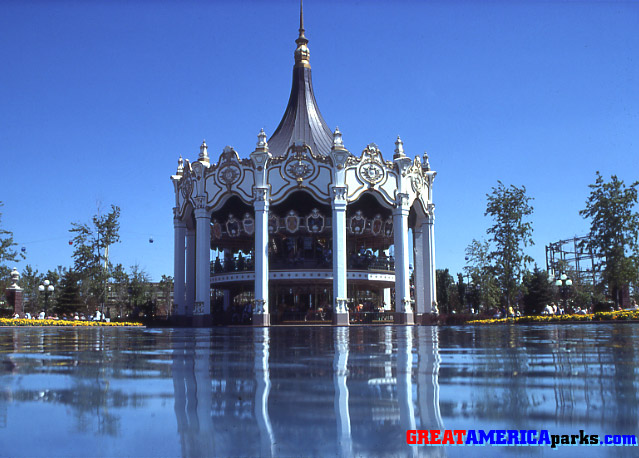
302, 229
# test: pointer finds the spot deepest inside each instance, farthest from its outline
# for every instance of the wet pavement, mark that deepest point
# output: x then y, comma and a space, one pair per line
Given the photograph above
311, 391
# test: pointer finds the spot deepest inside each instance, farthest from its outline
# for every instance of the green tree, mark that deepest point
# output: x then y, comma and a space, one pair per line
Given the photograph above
91, 244
581, 293
119, 289
454, 300
69, 300
538, 291
139, 289
484, 287
445, 283
510, 234
614, 232
30, 279
166, 286
54, 276
462, 292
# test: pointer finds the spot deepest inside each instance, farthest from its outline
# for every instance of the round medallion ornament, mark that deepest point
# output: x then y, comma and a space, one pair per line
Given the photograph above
292, 222
187, 188
357, 223
388, 227
233, 226
249, 224
273, 224
371, 168
315, 222
372, 173
299, 169
229, 174
216, 230
376, 225
417, 182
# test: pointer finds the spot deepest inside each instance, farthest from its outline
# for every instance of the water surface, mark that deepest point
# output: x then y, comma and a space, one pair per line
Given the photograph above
312, 391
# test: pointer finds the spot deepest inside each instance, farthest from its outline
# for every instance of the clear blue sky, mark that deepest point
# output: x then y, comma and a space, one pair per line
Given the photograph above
98, 99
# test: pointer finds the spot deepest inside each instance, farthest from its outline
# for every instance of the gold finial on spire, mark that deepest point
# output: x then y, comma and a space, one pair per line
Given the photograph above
302, 53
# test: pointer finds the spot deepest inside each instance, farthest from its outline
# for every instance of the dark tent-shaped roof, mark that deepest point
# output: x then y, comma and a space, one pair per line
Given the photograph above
302, 120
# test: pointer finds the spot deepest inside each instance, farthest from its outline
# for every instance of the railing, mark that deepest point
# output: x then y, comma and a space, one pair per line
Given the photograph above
243, 315
370, 262
299, 264
369, 317
232, 265
327, 316
292, 315
355, 262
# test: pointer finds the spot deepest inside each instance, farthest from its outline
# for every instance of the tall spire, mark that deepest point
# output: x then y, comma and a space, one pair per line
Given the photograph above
302, 53
302, 120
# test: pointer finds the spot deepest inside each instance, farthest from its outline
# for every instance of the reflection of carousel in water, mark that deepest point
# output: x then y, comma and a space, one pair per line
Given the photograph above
228, 407
221, 411
303, 213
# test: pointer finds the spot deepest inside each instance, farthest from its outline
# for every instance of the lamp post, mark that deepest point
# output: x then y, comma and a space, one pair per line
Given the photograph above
473, 296
563, 283
47, 288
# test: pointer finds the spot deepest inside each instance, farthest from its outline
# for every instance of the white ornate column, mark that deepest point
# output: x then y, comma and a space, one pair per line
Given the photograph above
261, 316
190, 272
227, 300
261, 346
387, 299
179, 297
429, 263
428, 362
340, 376
405, 382
339, 156
419, 241
202, 309
403, 306
204, 440
340, 311
260, 159
179, 373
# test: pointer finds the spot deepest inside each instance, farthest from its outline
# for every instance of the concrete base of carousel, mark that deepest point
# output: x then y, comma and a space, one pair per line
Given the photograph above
202, 321
180, 321
261, 319
404, 318
340, 319
426, 319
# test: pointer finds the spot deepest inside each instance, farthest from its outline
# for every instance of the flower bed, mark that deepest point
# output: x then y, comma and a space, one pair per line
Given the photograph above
25, 322
622, 315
